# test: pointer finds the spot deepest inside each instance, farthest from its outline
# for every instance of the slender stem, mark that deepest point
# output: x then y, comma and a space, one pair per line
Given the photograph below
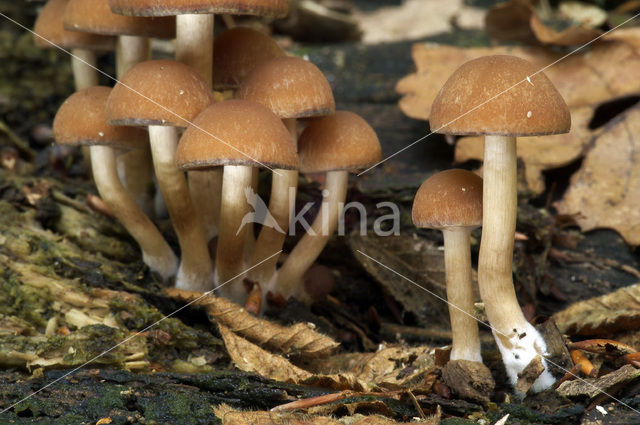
237, 218
194, 43
83, 65
457, 261
500, 206
156, 253
205, 188
283, 191
271, 238
289, 280
196, 271
135, 167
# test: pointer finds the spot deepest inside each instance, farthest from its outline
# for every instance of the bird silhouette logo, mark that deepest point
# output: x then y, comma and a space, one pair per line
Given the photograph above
260, 214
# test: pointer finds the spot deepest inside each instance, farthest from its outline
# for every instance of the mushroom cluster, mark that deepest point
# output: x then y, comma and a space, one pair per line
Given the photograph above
500, 97
206, 156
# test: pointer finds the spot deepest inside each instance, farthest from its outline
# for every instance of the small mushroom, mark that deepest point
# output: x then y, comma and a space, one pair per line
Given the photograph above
253, 136
502, 97
291, 88
451, 201
166, 95
92, 130
333, 145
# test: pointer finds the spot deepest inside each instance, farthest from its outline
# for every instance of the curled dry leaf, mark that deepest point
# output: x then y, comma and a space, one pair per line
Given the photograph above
603, 346
592, 387
516, 20
605, 192
542, 152
596, 68
606, 314
299, 340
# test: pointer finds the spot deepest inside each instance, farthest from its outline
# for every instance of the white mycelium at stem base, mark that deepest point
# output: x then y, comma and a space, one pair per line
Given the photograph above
195, 272
519, 342
306, 251
156, 253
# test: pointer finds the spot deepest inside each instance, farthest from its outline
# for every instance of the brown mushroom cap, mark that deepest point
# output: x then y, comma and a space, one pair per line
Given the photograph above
49, 26
532, 107
254, 131
81, 120
451, 198
176, 91
343, 141
236, 52
290, 87
271, 8
95, 16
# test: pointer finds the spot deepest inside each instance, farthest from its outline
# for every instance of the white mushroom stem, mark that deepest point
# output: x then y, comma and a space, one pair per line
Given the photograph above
289, 280
194, 47
519, 342
271, 239
194, 43
135, 167
237, 218
83, 65
196, 271
457, 262
85, 75
250, 241
281, 206
204, 187
156, 253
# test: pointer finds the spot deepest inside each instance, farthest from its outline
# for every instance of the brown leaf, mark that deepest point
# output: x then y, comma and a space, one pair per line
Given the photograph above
251, 358
605, 192
539, 153
299, 340
594, 68
606, 314
593, 387
516, 20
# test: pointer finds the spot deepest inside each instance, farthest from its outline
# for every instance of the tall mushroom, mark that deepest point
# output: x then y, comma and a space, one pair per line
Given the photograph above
253, 136
334, 145
291, 88
133, 47
451, 201
502, 97
92, 130
165, 95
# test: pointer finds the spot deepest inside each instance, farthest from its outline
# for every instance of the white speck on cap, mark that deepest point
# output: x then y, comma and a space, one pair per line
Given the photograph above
529, 114
101, 134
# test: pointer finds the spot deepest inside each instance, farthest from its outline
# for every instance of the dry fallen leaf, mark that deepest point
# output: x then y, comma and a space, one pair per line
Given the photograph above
603, 315
539, 153
516, 20
608, 69
605, 192
299, 340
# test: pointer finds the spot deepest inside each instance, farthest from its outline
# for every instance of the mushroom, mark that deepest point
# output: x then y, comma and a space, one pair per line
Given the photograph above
291, 88
95, 16
93, 130
333, 145
451, 201
502, 97
253, 136
49, 28
165, 95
